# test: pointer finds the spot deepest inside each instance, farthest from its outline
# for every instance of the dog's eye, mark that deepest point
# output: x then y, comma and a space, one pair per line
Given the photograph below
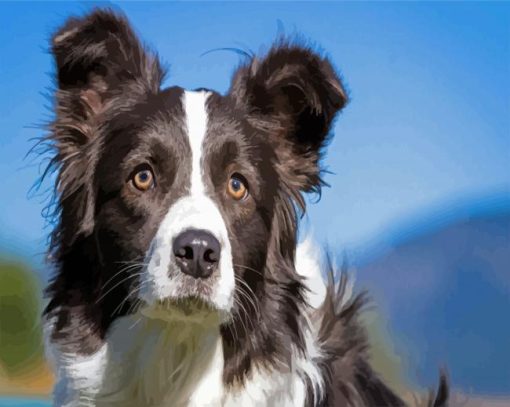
143, 179
237, 188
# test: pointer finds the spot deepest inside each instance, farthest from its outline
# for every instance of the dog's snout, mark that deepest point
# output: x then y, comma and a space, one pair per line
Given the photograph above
197, 252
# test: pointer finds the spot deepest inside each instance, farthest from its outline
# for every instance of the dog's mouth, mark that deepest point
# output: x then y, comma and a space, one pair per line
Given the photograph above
191, 309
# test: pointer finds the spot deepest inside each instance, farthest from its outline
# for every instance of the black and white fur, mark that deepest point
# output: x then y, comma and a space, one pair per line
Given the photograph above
124, 326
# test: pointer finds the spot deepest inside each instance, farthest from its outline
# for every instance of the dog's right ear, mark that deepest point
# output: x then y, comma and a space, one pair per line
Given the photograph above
97, 58
99, 63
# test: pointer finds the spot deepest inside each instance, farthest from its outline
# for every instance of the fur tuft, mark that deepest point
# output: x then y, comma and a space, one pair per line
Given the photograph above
350, 381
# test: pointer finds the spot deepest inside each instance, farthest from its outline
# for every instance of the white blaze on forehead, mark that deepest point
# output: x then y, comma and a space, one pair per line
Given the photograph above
196, 125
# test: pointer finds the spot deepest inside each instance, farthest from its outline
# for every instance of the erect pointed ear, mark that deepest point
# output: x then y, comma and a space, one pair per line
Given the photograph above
98, 57
293, 93
100, 66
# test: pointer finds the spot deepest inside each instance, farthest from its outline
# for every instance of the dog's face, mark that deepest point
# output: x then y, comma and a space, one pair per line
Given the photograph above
186, 188
189, 195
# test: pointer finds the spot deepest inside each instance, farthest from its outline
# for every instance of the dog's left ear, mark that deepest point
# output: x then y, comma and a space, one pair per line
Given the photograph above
293, 93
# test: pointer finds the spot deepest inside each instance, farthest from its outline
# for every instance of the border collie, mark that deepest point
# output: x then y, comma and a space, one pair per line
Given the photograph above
179, 281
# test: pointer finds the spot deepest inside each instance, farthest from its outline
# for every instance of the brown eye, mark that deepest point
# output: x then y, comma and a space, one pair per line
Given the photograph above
236, 187
143, 179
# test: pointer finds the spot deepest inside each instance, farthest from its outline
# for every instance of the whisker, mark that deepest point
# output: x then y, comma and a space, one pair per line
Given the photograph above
133, 291
249, 299
249, 268
250, 296
135, 324
116, 285
135, 260
135, 305
123, 269
239, 304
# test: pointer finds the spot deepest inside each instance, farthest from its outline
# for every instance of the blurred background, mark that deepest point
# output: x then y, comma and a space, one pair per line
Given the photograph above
419, 203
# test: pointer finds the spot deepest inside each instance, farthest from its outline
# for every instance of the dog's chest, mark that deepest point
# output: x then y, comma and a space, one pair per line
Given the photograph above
148, 365
159, 364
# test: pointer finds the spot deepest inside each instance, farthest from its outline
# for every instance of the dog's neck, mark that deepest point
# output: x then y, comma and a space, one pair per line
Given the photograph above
173, 362
184, 360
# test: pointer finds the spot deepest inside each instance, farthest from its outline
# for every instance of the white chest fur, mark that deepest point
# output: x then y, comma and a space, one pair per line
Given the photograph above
157, 363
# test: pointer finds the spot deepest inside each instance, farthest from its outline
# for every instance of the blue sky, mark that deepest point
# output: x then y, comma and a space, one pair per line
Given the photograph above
425, 136
429, 120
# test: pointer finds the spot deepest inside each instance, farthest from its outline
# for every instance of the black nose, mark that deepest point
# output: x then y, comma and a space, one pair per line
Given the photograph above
197, 252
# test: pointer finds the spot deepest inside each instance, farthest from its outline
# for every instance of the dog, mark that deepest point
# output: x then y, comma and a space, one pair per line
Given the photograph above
179, 280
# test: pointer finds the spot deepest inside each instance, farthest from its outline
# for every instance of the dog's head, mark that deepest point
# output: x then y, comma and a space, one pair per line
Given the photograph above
183, 196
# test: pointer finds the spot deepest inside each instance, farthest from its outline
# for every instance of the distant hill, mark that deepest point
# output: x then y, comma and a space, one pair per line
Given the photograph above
22, 366
446, 293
